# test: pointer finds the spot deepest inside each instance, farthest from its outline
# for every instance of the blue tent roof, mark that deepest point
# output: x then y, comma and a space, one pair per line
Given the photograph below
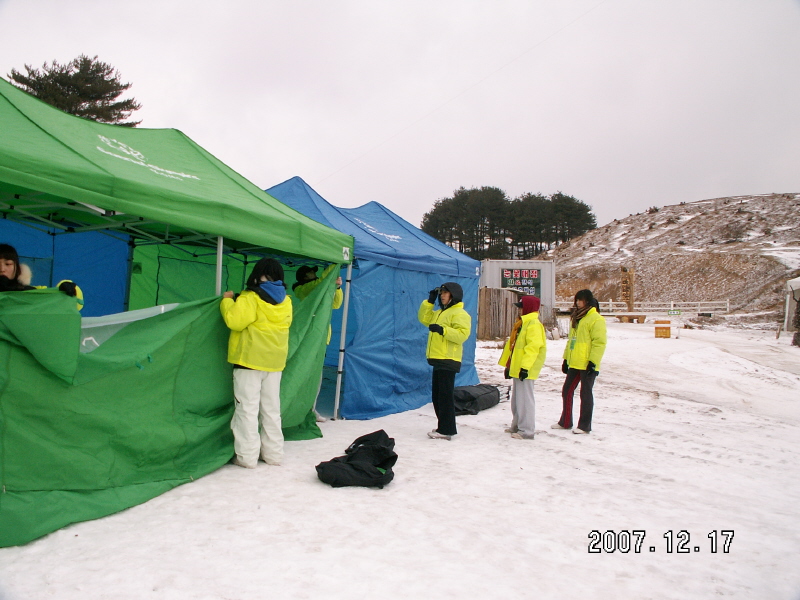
380, 235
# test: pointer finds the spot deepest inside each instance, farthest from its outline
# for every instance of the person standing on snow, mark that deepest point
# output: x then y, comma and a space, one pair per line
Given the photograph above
448, 329
259, 321
523, 357
582, 356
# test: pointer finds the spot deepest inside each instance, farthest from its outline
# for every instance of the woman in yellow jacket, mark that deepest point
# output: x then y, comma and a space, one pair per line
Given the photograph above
448, 329
582, 356
523, 357
259, 321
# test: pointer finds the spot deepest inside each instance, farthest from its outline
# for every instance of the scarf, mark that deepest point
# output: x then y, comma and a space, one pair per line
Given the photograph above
578, 314
512, 339
271, 292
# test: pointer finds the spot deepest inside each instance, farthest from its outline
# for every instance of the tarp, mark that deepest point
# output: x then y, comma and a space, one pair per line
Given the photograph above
385, 370
97, 415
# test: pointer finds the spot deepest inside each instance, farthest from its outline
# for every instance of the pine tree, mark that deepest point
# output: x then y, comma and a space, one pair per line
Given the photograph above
85, 87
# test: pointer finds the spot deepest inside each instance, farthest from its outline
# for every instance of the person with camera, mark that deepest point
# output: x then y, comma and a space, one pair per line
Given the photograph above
448, 328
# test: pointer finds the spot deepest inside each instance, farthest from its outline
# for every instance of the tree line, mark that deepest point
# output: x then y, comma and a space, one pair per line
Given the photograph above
484, 223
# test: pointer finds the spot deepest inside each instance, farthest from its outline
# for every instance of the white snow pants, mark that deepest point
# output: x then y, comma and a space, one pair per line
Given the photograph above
258, 400
523, 407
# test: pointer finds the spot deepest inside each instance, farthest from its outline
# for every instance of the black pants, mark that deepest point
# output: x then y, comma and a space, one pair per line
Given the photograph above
586, 379
442, 395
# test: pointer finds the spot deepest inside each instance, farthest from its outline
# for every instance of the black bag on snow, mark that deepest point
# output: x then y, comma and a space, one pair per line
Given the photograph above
367, 462
471, 399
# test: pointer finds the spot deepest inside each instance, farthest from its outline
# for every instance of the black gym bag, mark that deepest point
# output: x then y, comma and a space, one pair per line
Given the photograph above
471, 399
367, 462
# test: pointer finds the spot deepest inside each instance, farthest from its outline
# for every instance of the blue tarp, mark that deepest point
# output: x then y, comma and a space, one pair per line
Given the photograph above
95, 261
385, 370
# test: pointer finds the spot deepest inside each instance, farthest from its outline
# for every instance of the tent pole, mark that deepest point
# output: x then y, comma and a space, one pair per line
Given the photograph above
342, 339
219, 265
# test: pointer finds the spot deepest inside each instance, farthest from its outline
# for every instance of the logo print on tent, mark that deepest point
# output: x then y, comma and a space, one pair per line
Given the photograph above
371, 229
137, 158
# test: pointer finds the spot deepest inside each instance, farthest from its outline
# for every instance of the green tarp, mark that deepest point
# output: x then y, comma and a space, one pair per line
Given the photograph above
100, 415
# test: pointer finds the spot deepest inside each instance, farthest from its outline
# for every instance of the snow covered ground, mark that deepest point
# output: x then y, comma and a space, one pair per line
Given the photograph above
697, 434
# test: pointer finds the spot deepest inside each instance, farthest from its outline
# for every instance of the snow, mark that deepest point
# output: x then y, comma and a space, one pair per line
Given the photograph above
697, 434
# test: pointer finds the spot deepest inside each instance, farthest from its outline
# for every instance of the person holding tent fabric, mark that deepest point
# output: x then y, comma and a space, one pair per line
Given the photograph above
259, 320
523, 357
307, 282
585, 348
448, 329
16, 277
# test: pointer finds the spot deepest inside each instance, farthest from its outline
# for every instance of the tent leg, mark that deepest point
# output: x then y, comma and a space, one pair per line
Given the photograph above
219, 265
342, 339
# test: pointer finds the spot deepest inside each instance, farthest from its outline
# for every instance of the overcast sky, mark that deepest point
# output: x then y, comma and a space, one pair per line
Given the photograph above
624, 104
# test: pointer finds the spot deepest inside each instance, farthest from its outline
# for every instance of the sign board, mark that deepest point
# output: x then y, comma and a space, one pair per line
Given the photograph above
527, 281
674, 311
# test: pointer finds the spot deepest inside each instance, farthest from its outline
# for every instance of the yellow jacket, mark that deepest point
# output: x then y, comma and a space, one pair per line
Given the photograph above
259, 331
456, 323
530, 348
302, 292
587, 343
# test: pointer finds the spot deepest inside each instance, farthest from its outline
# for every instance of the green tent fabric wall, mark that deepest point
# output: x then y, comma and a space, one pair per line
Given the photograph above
98, 418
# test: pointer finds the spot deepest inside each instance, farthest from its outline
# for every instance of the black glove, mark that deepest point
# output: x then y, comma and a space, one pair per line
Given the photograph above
436, 328
68, 287
432, 295
523, 374
506, 374
564, 367
591, 368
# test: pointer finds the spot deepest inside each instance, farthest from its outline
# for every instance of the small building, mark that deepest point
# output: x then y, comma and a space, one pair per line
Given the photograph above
529, 277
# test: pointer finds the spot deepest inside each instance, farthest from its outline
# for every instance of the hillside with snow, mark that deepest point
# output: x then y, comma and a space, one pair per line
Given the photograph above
741, 249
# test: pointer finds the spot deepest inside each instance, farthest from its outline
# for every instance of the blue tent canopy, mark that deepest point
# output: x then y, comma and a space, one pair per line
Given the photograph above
385, 370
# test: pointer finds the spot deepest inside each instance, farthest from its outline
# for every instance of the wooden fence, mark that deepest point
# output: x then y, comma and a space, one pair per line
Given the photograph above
609, 306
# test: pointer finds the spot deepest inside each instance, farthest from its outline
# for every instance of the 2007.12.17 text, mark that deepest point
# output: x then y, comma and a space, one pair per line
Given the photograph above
625, 541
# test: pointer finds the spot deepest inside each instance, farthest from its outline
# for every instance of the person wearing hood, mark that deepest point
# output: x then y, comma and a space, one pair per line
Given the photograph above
585, 348
448, 329
259, 320
523, 357
307, 282
16, 277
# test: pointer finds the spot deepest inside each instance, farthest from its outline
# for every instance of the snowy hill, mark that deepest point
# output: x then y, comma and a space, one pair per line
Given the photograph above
741, 248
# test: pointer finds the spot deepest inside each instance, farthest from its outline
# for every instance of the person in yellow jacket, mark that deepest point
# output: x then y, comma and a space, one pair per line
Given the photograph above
523, 357
16, 277
448, 329
307, 282
582, 356
259, 320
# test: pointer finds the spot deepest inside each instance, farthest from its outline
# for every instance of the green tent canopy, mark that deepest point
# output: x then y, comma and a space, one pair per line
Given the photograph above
157, 185
99, 414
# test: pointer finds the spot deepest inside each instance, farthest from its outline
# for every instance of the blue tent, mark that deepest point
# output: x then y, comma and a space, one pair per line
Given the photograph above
385, 370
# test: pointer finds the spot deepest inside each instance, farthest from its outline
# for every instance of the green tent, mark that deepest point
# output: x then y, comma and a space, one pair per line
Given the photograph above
99, 414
